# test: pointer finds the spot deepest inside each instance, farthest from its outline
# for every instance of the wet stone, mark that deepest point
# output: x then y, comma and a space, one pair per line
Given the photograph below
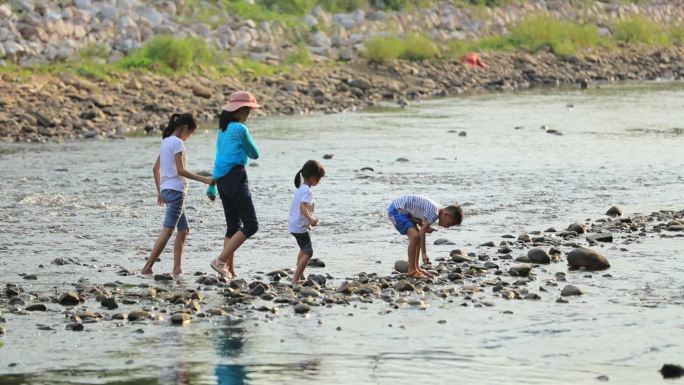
404, 285
600, 237
77, 327
30, 277
401, 266
671, 371
315, 262
614, 211
136, 315
36, 307
587, 259
570, 290
180, 319
488, 244
302, 308
279, 273
309, 292
537, 255
109, 303
163, 277
520, 270
69, 299
319, 279
577, 228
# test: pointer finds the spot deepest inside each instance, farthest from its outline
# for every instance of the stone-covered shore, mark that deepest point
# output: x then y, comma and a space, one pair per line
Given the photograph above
513, 267
46, 108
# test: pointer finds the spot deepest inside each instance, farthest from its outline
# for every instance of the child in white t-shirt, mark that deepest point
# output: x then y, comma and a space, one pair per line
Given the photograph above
170, 177
301, 213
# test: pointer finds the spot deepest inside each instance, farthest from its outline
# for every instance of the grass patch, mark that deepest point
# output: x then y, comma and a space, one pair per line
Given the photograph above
640, 30
419, 47
166, 54
300, 56
561, 37
412, 47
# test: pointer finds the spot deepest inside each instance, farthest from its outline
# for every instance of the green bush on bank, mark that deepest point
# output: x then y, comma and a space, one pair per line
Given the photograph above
165, 53
639, 30
412, 47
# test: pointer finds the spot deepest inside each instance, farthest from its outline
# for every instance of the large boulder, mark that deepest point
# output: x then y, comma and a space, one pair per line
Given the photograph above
587, 259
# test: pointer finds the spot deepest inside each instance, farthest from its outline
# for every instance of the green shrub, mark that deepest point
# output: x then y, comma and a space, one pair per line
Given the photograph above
562, 37
290, 7
419, 47
343, 5
300, 56
383, 48
165, 53
639, 30
677, 34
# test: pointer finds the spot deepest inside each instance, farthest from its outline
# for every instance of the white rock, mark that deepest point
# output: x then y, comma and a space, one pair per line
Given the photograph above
320, 39
310, 21
5, 11
154, 17
2, 51
23, 5
108, 11
85, 5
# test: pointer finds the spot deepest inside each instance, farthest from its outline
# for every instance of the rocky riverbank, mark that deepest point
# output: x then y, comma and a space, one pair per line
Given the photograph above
516, 267
57, 107
40, 31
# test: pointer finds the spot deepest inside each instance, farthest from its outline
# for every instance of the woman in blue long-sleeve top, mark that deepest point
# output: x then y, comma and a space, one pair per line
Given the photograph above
233, 148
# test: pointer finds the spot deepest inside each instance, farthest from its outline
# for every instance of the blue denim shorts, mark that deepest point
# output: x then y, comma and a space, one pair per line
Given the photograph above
175, 210
401, 222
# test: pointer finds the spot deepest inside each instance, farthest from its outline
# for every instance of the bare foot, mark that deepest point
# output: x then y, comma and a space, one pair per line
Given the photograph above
177, 271
146, 271
425, 272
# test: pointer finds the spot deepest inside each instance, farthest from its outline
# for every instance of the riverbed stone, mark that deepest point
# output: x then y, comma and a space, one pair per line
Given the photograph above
404, 285
302, 308
109, 303
570, 290
615, 211
578, 228
180, 319
36, 307
69, 299
401, 266
522, 270
600, 237
587, 259
538, 255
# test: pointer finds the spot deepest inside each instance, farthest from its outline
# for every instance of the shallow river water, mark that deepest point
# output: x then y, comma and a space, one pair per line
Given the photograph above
95, 201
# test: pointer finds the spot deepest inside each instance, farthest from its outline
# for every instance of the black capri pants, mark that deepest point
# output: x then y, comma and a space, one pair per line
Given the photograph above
237, 203
304, 242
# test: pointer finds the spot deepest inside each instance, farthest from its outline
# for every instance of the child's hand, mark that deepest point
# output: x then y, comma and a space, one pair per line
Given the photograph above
208, 180
160, 200
426, 259
313, 221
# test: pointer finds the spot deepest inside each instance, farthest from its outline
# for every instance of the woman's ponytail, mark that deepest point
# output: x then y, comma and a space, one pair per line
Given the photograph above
178, 120
298, 179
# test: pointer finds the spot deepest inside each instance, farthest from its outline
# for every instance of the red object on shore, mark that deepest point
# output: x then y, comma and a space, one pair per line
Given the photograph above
472, 59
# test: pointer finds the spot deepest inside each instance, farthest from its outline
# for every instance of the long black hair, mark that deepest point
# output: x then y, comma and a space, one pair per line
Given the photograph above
228, 117
178, 120
312, 168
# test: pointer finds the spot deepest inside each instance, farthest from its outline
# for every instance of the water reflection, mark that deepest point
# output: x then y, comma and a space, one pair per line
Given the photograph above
230, 343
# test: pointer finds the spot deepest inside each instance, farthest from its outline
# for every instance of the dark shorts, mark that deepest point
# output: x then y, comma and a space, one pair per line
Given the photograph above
237, 203
304, 242
401, 222
175, 209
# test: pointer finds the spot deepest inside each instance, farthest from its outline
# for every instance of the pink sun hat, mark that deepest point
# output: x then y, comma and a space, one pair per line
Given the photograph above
240, 99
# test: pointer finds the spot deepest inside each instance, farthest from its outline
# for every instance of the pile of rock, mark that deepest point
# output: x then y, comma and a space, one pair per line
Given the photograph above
37, 31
